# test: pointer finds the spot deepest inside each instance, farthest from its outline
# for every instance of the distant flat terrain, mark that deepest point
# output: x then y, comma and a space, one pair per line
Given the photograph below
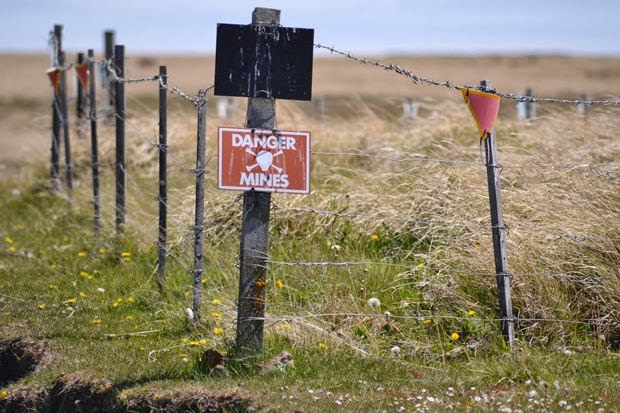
23, 76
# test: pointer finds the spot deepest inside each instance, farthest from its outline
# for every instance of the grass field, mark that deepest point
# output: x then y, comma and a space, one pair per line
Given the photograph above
91, 314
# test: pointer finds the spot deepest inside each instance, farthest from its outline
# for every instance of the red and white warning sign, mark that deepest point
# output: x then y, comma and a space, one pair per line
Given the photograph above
263, 159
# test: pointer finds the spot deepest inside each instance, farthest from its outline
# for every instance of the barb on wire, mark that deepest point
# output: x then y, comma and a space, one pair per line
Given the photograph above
451, 85
194, 99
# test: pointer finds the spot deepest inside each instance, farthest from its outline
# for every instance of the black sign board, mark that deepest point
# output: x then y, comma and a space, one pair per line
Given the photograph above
264, 61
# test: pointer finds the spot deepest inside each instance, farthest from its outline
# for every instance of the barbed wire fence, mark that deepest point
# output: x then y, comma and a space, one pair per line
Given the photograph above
605, 170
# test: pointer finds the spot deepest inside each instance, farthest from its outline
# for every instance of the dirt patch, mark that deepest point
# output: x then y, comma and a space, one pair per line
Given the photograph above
19, 357
79, 393
83, 392
183, 401
25, 399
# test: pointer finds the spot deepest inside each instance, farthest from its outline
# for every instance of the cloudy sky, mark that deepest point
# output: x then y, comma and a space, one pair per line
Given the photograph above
363, 26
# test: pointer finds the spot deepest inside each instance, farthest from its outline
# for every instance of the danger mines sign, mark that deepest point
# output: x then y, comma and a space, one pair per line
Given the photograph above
264, 160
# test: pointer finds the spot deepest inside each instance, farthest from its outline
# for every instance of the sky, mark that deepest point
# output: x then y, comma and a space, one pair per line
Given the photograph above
364, 26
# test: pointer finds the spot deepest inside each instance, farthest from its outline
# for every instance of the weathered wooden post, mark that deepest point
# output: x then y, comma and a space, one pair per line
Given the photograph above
119, 66
261, 114
498, 229
410, 109
582, 107
262, 61
65, 123
56, 114
92, 98
200, 202
530, 107
163, 196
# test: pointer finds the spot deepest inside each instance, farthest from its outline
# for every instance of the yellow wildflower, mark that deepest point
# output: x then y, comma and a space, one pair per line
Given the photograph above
52, 286
185, 340
194, 343
102, 250
374, 237
71, 301
454, 336
286, 326
203, 281
41, 306
126, 256
203, 342
471, 313
279, 283
323, 346
216, 301
82, 294
4, 395
142, 348
52, 267
82, 254
86, 275
96, 321
216, 314
129, 317
8, 240
182, 355
130, 299
218, 331
428, 322
12, 249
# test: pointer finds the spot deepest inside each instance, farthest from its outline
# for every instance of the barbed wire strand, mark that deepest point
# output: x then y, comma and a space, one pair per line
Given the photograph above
415, 78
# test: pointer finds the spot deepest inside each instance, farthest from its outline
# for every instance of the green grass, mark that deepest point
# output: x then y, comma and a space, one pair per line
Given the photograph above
97, 307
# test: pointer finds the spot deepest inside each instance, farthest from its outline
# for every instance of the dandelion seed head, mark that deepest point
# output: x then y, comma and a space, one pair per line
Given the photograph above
374, 302
189, 314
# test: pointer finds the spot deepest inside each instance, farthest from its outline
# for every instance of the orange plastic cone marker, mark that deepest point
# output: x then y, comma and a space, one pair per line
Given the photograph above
484, 108
54, 75
82, 72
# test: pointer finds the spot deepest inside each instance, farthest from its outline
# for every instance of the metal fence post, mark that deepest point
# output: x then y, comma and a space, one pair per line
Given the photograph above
65, 122
119, 63
56, 114
93, 141
503, 277
109, 41
163, 197
200, 199
255, 228
80, 96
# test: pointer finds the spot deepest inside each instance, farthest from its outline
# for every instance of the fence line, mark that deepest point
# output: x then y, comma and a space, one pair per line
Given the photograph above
199, 100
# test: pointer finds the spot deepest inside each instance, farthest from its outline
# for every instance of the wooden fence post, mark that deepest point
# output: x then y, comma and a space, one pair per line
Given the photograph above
200, 199
56, 114
498, 229
261, 114
119, 65
65, 122
163, 196
582, 108
92, 98
530, 107
109, 42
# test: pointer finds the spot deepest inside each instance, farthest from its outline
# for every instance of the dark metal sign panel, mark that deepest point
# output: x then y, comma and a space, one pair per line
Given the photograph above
264, 61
